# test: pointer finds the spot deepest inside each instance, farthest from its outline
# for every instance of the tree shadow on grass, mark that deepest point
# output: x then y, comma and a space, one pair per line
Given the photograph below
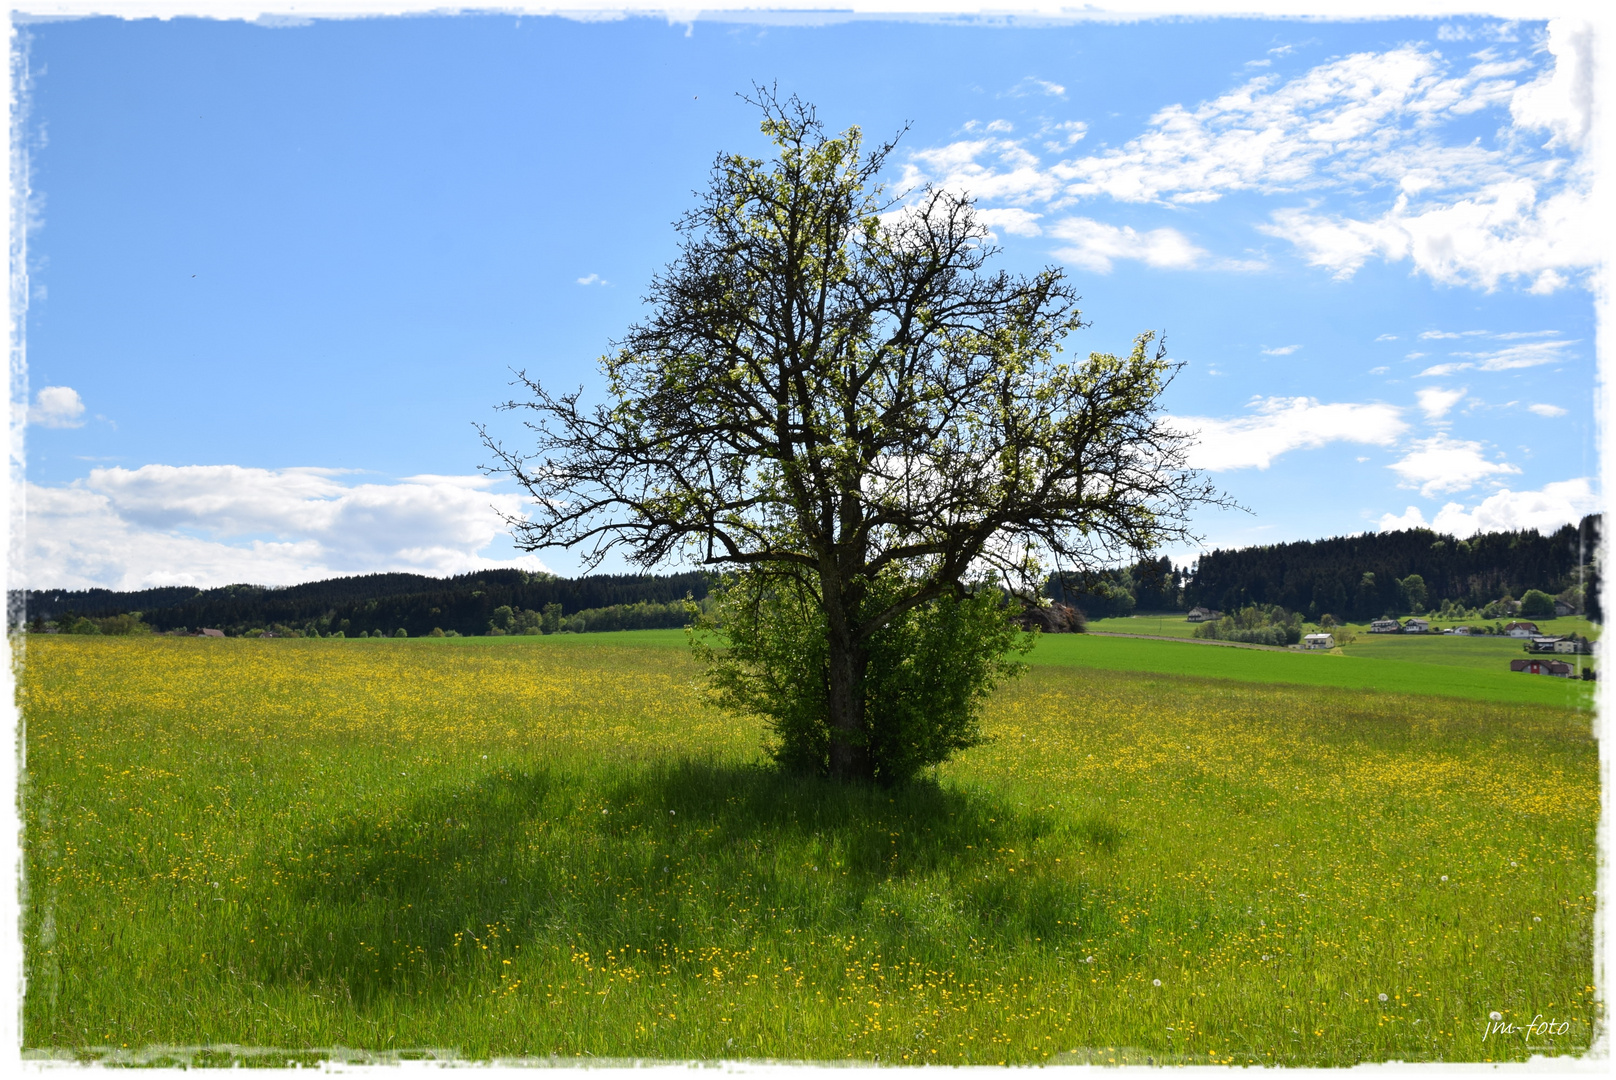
667, 860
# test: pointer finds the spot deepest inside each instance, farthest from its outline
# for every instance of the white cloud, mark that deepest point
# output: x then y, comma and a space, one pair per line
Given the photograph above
1371, 126
1280, 425
593, 279
1352, 118
1547, 410
1441, 464
1283, 350
1387, 337
1499, 231
57, 407
1436, 335
1379, 370
1408, 519
1548, 282
1439, 370
216, 524
1557, 504
1560, 101
1014, 221
1093, 245
1063, 136
1435, 401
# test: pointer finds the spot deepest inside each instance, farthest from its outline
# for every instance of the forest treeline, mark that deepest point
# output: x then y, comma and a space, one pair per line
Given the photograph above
383, 604
1356, 577
1351, 578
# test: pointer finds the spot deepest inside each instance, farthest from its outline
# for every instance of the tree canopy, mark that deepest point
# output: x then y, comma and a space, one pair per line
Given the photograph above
832, 394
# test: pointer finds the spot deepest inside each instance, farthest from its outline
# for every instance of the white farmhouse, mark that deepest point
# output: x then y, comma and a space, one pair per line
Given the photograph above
1318, 641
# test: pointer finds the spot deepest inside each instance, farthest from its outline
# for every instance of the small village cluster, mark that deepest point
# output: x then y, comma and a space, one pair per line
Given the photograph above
1535, 641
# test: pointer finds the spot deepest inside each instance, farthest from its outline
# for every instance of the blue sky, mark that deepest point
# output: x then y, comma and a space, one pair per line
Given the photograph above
277, 274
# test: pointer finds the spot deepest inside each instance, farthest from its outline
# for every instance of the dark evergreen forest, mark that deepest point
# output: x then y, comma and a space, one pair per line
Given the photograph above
1356, 577
373, 603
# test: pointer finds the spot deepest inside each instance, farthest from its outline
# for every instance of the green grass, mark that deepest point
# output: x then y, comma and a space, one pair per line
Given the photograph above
1491, 654
1172, 624
561, 850
1376, 672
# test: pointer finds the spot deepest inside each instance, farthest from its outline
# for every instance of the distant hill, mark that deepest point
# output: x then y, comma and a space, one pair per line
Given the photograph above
1356, 577
370, 603
1350, 577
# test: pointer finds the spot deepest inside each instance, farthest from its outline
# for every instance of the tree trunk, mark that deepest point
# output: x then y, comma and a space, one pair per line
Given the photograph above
849, 754
849, 757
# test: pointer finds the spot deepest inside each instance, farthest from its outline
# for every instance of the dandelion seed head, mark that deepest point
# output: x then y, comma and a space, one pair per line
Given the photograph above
1444, 877
1383, 997
1155, 982
1495, 1015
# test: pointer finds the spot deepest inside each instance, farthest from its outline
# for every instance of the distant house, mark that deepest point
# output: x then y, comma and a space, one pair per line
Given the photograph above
1417, 626
1522, 629
1532, 666
1318, 641
1463, 631
211, 633
1573, 645
1385, 626
1201, 614
1544, 644
1562, 608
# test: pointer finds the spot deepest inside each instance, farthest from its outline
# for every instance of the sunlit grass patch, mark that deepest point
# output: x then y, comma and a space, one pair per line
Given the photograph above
541, 850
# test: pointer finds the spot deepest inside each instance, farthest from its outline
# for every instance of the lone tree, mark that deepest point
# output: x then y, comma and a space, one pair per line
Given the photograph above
832, 397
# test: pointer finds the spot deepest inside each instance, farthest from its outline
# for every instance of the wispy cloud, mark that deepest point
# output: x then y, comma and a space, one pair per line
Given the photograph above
1550, 411
1440, 370
1033, 86
1283, 350
1525, 355
1373, 125
593, 279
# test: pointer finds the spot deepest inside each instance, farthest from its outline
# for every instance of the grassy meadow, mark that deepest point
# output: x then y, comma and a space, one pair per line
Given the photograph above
555, 846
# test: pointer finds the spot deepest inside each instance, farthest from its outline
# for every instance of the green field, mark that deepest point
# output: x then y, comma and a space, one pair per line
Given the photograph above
1477, 653
1375, 672
1172, 624
553, 846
